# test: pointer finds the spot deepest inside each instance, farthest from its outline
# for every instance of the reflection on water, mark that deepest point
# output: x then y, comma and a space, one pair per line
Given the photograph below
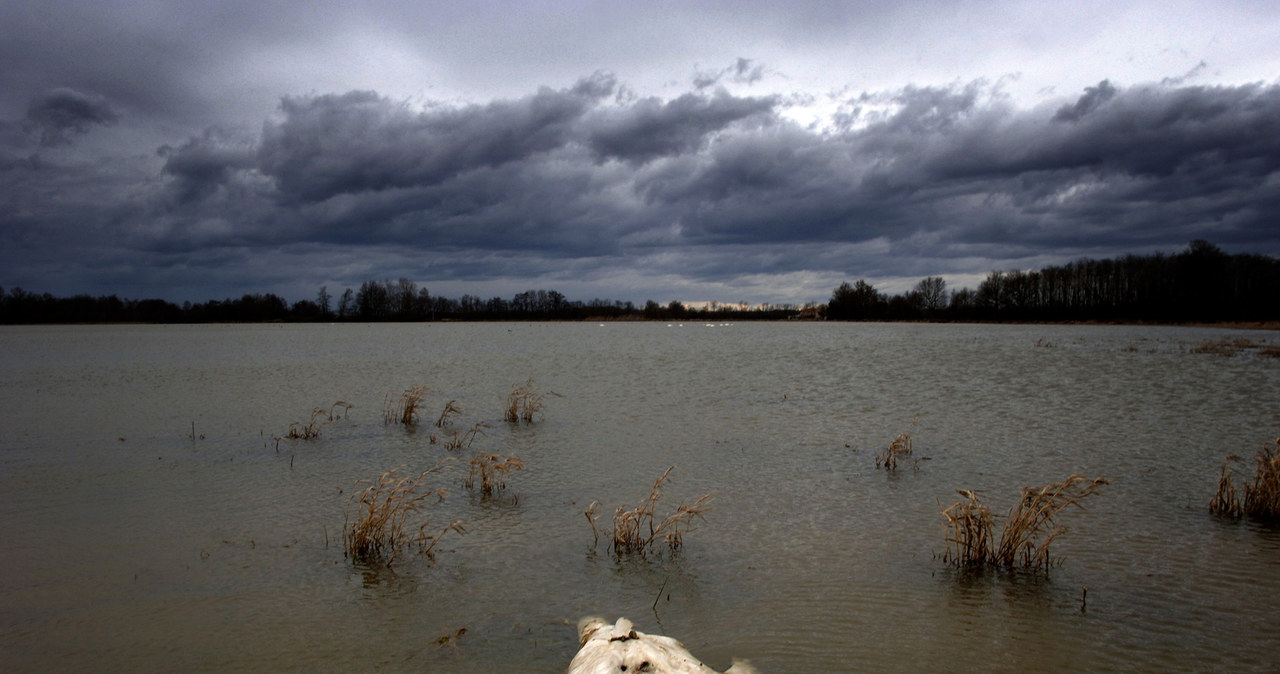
132, 544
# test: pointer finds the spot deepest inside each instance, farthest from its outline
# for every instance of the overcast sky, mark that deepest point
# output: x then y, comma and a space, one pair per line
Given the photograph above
733, 151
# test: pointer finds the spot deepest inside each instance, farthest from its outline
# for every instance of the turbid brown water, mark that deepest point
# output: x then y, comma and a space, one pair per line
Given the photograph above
130, 545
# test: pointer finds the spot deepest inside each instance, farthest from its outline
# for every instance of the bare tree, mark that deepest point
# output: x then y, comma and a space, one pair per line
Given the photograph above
323, 299
932, 292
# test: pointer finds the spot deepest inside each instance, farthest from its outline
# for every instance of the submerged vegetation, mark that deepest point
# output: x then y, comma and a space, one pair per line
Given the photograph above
450, 409
1028, 529
1261, 496
1236, 346
319, 417
463, 439
638, 531
404, 410
897, 450
381, 518
525, 401
487, 473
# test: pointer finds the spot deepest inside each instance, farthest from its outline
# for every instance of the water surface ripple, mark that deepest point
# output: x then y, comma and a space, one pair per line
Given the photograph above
153, 522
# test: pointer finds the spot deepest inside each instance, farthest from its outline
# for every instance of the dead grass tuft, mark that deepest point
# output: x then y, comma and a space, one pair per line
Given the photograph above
970, 541
319, 417
900, 448
309, 430
525, 401
1028, 529
463, 439
380, 518
1227, 501
638, 531
1235, 346
488, 472
404, 410
450, 409
1261, 497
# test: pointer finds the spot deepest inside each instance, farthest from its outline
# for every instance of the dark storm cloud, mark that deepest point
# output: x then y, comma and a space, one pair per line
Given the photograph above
743, 71
1092, 98
362, 142
649, 128
59, 115
202, 165
1152, 161
709, 187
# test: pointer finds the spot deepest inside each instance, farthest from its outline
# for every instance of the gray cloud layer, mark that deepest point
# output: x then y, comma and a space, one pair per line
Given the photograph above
591, 187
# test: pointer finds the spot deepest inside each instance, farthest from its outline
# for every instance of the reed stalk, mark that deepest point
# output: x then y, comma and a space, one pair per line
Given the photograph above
525, 401
380, 519
450, 409
309, 430
900, 448
1261, 498
1029, 528
404, 410
488, 472
970, 541
463, 439
1227, 501
638, 531
319, 417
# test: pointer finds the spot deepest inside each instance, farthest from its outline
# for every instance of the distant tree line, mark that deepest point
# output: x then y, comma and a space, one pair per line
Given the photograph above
374, 301
1200, 284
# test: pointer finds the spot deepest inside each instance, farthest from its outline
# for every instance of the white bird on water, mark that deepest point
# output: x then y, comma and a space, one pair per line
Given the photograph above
607, 649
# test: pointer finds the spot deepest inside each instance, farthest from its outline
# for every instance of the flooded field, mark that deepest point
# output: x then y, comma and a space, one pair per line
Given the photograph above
152, 521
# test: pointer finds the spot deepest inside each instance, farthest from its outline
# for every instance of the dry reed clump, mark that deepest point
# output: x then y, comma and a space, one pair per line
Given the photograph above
1227, 501
1028, 529
488, 472
900, 448
1234, 346
634, 530
450, 409
524, 401
379, 519
405, 409
1261, 497
319, 417
309, 430
463, 439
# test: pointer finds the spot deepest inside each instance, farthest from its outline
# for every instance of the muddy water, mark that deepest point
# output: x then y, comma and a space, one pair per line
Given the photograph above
133, 543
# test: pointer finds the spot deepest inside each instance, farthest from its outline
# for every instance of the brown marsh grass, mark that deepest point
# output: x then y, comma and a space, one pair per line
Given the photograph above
638, 531
525, 401
309, 430
1235, 346
1261, 497
450, 409
405, 409
380, 519
1028, 529
1227, 501
463, 439
488, 472
900, 448
319, 417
